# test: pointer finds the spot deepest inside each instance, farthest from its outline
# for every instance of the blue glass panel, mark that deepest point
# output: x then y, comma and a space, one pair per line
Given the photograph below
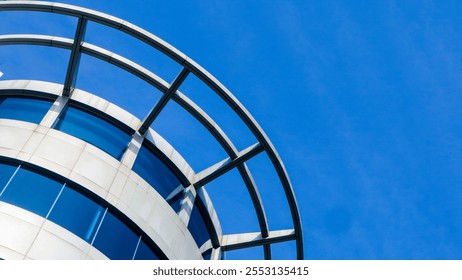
32, 191
197, 227
155, 172
94, 130
207, 255
115, 239
77, 213
6, 171
24, 109
175, 202
145, 253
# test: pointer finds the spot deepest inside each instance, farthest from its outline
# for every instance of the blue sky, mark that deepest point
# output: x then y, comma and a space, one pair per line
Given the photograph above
360, 98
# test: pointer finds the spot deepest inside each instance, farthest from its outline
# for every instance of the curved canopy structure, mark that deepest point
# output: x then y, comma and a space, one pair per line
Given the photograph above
191, 181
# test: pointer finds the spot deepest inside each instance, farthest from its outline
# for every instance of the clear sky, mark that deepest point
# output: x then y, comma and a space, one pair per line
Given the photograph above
362, 100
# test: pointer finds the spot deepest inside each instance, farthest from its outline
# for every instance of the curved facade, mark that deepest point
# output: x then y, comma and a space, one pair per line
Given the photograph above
82, 178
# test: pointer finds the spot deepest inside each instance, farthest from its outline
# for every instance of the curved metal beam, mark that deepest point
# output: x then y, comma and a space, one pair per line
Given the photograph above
153, 79
196, 69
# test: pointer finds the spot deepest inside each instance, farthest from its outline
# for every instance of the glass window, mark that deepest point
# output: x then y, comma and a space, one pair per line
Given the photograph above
175, 202
207, 255
94, 130
6, 171
197, 227
155, 172
32, 192
145, 253
77, 213
24, 108
74, 211
115, 239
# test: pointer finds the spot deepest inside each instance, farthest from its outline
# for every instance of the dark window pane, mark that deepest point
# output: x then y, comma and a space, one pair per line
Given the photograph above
197, 227
23, 108
6, 171
115, 239
94, 130
207, 255
77, 213
175, 202
145, 253
32, 192
155, 172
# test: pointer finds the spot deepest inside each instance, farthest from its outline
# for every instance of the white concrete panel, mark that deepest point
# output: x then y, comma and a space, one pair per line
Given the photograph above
52, 88
26, 216
14, 137
48, 246
141, 203
14, 84
9, 152
42, 129
58, 169
60, 152
16, 233
128, 190
95, 254
94, 151
118, 184
189, 251
88, 184
66, 235
95, 169
8, 254
90, 99
32, 143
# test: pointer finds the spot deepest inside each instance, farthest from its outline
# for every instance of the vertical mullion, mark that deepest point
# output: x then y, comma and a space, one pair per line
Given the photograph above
54, 202
136, 248
74, 60
9, 181
99, 226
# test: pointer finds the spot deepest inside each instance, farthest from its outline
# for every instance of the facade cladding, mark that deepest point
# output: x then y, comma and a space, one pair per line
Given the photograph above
81, 178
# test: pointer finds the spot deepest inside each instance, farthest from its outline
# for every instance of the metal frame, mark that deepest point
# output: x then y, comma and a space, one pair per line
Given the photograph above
236, 159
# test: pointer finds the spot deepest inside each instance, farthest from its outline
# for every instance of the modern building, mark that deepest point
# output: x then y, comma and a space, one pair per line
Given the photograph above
82, 178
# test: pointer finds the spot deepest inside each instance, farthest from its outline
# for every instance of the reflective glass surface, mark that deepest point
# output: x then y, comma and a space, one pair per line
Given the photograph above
115, 239
175, 202
77, 213
6, 171
155, 172
94, 130
144, 252
74, 211
197, 227
32, 191
207, 255
24, 108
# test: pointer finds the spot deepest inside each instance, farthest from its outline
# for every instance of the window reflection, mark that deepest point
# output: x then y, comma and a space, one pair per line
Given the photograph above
32, 191
74, 211
144, 252
197, 227
155, 172
94, 130
24, 108
77, 213
115, 239
6, 171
